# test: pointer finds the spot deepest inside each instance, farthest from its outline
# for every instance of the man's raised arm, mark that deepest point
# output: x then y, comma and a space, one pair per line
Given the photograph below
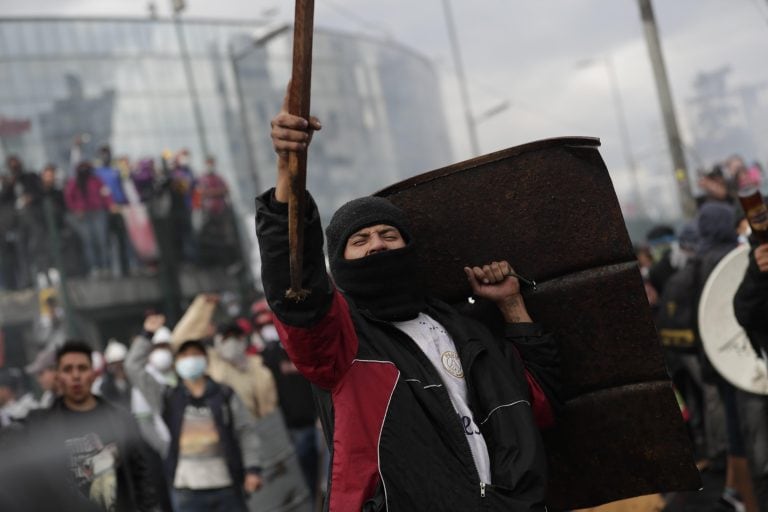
317, 332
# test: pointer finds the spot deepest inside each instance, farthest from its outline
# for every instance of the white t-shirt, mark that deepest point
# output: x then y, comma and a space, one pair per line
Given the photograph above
201, 457
438, 346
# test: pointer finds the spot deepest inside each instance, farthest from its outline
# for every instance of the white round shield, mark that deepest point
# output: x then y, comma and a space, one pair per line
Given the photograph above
725, 342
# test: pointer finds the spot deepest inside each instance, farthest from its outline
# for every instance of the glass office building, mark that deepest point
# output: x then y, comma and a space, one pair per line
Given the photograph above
123, 82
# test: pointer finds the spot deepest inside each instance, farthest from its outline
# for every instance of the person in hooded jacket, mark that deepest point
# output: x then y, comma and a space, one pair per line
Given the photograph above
213, 458
716, 223
422, 407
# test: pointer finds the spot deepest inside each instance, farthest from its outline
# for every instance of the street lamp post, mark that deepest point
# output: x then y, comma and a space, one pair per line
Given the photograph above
621, 122
244, 123
456, 53
178, 6
234, 58
687, 203
491, 112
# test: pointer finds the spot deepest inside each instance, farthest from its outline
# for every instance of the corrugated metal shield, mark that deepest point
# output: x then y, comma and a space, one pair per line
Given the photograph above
550, 209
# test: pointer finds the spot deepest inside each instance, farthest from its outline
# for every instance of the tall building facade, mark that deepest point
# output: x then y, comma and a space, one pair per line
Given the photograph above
122, 82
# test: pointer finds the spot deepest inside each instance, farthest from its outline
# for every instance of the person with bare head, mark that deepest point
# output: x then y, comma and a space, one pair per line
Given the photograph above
101, 448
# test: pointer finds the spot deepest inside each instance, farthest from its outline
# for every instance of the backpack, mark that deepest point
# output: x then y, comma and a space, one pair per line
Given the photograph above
677, 314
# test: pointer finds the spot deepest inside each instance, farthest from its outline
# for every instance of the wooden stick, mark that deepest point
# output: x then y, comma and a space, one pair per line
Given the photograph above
298, 105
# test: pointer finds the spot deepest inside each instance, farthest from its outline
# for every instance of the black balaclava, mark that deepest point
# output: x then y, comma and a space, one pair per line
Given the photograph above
387, 283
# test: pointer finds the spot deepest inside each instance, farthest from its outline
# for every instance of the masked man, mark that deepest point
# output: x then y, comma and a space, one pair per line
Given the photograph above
425, 409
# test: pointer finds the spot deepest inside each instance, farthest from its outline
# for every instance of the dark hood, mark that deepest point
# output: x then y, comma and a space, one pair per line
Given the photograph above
716, 225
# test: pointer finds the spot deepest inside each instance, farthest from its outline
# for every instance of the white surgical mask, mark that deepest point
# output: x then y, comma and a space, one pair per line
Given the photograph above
231, 348
191, 367
161, 359
269, 333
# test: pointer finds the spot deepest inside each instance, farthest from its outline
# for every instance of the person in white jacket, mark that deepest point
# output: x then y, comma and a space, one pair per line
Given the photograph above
159, 366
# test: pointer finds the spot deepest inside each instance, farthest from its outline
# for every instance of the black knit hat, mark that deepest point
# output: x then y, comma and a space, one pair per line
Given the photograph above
358, 214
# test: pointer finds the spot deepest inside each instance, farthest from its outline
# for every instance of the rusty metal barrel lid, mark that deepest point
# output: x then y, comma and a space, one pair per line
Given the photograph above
550, 209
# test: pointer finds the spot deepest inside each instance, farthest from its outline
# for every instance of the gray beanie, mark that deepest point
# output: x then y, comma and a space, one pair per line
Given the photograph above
358, 214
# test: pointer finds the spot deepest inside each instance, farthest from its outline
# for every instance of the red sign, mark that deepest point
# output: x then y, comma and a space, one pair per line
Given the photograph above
13, 127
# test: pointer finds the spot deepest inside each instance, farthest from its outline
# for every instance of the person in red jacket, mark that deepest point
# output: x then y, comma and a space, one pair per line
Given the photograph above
89, 203
423, 408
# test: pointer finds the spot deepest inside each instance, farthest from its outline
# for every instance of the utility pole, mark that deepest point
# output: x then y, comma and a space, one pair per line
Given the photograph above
457, 62
178, 6
687, 203
234, 58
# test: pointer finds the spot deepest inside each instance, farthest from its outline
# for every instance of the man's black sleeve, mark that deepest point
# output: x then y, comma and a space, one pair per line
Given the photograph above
541, 358
272, 233
751, 302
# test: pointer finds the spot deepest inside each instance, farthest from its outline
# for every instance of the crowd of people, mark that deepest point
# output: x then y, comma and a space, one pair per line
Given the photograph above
220, 413
111, 217
212, 422
728, 426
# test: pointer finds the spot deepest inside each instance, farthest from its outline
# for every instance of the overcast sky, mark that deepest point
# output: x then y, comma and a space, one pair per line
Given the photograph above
535, 55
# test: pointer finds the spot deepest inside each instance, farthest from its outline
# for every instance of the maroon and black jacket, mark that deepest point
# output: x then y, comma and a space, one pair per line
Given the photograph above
397, 443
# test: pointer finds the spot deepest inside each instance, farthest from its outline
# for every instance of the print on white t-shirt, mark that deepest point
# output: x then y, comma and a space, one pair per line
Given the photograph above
438, 346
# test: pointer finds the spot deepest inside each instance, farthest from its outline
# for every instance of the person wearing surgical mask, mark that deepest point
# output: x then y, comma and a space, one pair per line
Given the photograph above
160, 367
151, 425
213, 461
246, 374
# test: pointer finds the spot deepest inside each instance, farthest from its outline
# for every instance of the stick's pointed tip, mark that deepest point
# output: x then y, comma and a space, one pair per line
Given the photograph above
297, 295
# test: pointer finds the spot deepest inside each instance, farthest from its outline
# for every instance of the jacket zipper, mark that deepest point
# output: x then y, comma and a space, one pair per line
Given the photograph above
430, 368
466, 382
